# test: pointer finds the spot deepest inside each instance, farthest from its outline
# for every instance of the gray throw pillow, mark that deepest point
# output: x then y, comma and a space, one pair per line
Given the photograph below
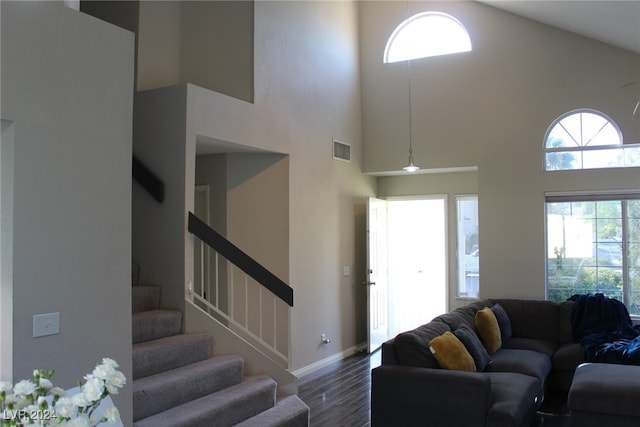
474, 346
503, 322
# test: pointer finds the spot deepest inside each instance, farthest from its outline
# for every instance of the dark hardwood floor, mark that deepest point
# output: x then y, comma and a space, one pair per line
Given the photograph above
339, 395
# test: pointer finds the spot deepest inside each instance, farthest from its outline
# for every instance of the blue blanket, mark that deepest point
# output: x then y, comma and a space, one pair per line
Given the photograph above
603, 326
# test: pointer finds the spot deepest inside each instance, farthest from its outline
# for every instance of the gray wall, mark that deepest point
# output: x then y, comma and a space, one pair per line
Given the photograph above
490, 108
258, 208
67, 84
206, 43
7, 159
308, 92
159, 229
211, 170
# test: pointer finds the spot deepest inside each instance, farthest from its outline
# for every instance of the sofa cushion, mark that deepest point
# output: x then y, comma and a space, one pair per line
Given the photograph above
488, 329
524, 362
412, 347
474, 346
460, 316
565, 326
503, 322
568, 357
451, 353
532, 318
541, 346
463, 315
514, 399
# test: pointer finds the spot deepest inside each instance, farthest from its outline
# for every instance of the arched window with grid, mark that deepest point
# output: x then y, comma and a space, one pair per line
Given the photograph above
587, 139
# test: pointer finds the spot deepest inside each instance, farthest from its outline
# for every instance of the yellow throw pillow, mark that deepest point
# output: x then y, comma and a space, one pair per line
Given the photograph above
488, 329
451, 353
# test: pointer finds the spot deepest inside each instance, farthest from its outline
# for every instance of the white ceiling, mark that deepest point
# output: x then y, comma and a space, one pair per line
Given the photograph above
614, 22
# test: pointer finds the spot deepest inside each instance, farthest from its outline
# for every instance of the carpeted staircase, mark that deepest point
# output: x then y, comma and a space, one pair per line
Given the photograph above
177, 382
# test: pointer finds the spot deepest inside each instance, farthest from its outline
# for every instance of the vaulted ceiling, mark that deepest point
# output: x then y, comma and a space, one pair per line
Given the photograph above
614, 22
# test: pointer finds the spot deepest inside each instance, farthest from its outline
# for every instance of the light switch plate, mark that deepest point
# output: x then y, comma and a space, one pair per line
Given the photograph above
46, 324
346, 271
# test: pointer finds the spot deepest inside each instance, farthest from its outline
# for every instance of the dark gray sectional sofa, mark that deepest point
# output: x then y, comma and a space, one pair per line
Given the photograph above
410, 388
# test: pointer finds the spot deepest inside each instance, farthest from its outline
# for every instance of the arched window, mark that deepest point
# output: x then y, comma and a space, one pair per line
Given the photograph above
427, 34
587, 139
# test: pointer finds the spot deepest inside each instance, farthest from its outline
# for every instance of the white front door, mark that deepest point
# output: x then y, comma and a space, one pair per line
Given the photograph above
406, 265
377, 274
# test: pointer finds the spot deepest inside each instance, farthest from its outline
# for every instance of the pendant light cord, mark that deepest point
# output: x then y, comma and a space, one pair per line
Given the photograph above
410, 110
411, 167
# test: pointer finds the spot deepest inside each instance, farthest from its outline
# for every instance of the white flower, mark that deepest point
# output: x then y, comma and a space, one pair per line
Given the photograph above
57, 391
103, 371
69, 411
110, 362
45, 383
80, 399
112, 415
24, 387
115, 381
64, 407
17, 401
93, 389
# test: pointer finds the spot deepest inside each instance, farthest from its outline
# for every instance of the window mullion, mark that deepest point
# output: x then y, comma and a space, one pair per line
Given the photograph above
626, 296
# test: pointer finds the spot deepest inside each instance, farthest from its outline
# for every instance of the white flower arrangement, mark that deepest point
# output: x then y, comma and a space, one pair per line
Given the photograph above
37, 402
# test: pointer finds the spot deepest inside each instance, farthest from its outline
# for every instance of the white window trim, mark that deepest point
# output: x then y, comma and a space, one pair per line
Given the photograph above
407, 22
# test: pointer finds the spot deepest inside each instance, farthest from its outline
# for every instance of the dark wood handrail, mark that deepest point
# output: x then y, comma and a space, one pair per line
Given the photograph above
147, 179
243, 261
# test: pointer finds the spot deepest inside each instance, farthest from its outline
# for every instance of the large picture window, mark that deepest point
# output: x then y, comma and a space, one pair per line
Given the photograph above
593, 245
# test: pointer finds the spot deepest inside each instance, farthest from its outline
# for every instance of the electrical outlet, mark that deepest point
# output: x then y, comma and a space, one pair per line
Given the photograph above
46, 324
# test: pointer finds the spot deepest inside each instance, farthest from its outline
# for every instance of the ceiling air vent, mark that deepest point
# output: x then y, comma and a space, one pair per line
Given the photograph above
341, 151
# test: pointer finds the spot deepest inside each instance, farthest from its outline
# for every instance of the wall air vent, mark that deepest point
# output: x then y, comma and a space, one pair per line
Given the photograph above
341, 151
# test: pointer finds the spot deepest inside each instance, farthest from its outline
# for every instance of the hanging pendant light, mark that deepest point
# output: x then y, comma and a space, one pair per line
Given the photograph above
411, 166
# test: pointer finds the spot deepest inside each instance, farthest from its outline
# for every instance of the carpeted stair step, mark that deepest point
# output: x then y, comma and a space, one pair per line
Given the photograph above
157, 393
144, 298
154, 324
289, 411
227, 407
164, 354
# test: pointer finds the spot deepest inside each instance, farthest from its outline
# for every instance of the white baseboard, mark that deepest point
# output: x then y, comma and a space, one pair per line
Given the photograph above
306, 370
